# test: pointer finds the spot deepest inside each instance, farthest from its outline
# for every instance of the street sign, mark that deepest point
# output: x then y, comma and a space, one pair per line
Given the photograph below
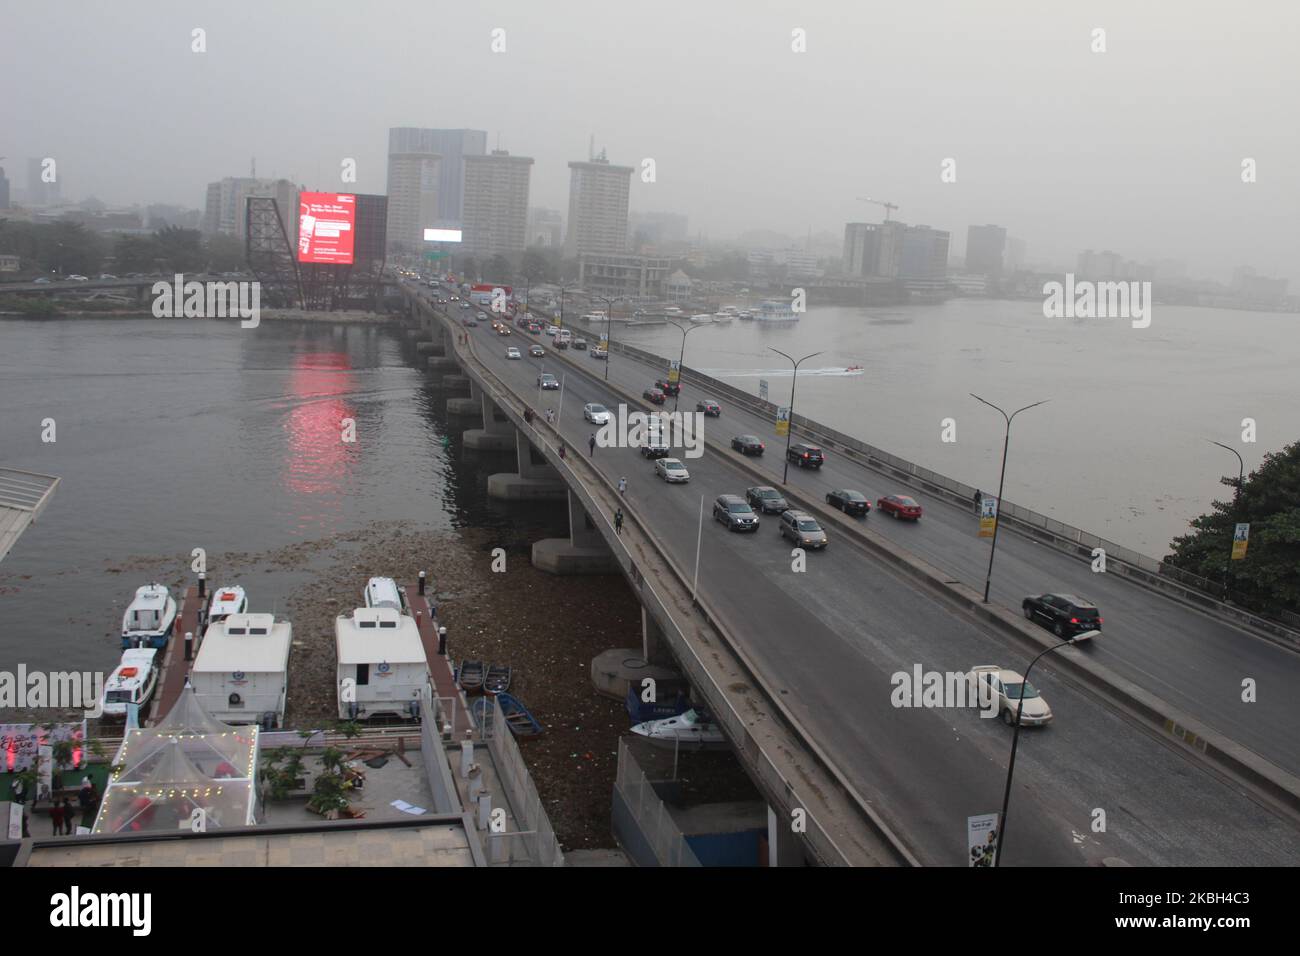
674, 370
436, 255
1240, 538
762, 389
783, 420
988, 516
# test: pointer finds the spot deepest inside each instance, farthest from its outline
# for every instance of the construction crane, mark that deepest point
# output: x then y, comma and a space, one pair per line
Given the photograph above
888, 205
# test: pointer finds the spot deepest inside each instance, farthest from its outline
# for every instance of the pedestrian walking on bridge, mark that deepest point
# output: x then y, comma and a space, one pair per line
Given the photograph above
591, 444
979, 500
618, 521
622, 486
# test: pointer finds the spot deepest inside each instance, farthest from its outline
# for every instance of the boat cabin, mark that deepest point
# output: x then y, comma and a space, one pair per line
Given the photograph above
149, 617
241, 672
382, 668
227, 601
133, 682
384, 592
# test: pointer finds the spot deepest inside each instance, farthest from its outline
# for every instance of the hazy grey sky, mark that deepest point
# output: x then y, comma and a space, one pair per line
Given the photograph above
1137, 149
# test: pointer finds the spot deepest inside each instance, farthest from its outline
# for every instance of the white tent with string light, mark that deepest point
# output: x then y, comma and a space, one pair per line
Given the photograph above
189, 761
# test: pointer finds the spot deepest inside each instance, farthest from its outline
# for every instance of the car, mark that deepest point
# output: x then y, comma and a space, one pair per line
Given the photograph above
654, 396
767, 499
1067, 615
469, 323
735, 513
599, 353
534, 328
653, 444
483, 317
548, 381
668, 388
42, 280
513, 353
580, 343
596, 414
78, 278
803, 529
806, 456
899, 506
671, 470
748, 444
849, 501
504, 329
1011, 692
551, 330
710, 408
105, 275
536, 351
465, 305
456, 298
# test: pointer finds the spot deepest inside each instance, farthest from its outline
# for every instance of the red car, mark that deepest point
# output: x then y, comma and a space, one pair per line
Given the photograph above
899, 506
710, 408
668, 388
654, 395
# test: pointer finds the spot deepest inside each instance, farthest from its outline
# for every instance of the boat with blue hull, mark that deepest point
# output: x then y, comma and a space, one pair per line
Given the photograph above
150, 617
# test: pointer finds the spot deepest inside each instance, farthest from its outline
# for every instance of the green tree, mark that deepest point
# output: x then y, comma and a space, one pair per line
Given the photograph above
224, 253
538, 266
1268, 578
498, 269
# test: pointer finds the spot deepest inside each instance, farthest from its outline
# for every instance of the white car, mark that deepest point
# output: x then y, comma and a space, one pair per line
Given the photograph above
1011, 692
598, 353
513, 353
671, 470
463, 305
78, 278
551, 330
596, 414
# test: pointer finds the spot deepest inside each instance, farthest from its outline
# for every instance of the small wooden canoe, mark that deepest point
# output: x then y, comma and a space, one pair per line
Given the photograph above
520, 720
470, 677
498, 679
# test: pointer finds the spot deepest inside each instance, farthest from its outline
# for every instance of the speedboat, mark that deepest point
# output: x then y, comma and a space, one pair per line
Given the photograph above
149, 619
703, 318
225, 602
744, 315
722, 318
688, 730
133, 682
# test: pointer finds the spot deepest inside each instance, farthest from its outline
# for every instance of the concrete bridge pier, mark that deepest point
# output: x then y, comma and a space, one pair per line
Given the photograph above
784, 846
583, 552
535, 479
471, 407
497, 434
458, 383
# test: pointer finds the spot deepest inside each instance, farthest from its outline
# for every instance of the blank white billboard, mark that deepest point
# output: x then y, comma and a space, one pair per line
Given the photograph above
442, 235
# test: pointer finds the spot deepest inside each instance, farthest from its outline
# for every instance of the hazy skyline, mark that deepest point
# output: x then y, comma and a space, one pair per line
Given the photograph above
1137, 149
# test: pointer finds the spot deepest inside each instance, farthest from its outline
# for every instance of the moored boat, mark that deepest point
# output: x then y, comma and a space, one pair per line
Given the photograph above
132, 682
688, 730
497, 680
225, 602
702, 318
470, 677
149, 618
518, 717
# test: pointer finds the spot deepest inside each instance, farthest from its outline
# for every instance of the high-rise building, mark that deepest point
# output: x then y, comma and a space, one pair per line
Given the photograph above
39, 192
496, 203
4, 189
545, 227
413, 191
1016, 253
873, 249
224, 208
450, 146
598, 194
985, 246
657, 228
925, 253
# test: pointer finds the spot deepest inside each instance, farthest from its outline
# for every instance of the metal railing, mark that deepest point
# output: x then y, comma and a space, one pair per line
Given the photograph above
651, 814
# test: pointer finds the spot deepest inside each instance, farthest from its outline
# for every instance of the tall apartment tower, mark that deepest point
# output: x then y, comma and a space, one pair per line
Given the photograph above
598, 196
496, 203
984, 248
413, 194
873, 249
451, 146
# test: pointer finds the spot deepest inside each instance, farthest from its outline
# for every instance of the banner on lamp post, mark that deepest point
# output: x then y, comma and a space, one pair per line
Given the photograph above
988, 516
783, 420
1240, 538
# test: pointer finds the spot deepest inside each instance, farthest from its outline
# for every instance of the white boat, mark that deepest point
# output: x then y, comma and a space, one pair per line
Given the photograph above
225, 602
382, 668
776, 310
722, 318
702, 318
745, 315
384, 592
241, 672
149, 619
689, 730
672, 310
132, 682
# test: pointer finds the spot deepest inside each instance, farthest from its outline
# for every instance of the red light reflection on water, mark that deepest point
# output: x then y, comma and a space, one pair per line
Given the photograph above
317, 460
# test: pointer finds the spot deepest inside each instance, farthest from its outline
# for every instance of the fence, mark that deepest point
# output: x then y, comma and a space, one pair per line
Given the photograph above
649, 812
1057, 533
536, 837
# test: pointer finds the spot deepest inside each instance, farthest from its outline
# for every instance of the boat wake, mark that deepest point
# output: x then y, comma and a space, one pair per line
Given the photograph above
831, 372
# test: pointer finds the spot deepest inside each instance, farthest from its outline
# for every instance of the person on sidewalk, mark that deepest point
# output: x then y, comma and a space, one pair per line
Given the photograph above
618, 521
979, 500
561, 451
622, 486
591, 444
68, 816
56, 818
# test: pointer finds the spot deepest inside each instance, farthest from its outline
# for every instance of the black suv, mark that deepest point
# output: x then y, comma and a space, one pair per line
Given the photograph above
732, 511
766, 499
1066, 614
806, 456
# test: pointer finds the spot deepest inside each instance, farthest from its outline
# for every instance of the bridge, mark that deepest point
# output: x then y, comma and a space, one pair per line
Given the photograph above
1150, 728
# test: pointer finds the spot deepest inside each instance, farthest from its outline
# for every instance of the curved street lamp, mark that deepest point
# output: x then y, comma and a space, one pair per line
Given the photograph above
681, 358
997, 521
609, 315
1015, 740
790, 422
1236, 500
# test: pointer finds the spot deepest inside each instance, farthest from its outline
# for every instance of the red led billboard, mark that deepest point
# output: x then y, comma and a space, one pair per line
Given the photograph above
326, 227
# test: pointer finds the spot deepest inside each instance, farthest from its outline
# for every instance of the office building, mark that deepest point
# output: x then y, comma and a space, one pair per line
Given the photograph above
985, 247
598, 194
873, 249
450, 147
227, 199
4, 189
637, 277
545, 227
496, 204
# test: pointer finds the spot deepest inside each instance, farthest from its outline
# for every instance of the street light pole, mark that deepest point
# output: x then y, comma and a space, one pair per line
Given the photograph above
681, 359
609, 314
997, 521
1015, 740
785, 474
1236, 501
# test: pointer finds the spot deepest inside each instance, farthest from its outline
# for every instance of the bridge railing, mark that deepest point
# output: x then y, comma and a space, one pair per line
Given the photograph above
1148, 570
